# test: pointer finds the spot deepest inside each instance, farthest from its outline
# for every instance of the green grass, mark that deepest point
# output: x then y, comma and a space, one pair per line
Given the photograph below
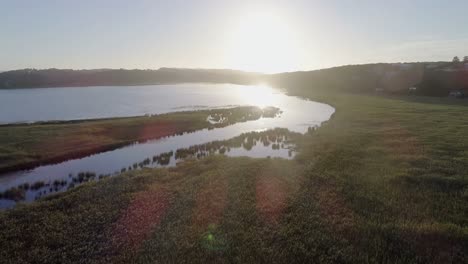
384, 181
23, 145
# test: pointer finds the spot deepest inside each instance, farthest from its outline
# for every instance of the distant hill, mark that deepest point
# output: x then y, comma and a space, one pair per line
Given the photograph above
32, 78
429, 78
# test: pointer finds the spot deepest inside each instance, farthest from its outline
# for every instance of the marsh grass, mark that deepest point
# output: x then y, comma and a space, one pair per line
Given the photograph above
384, 181
28, 145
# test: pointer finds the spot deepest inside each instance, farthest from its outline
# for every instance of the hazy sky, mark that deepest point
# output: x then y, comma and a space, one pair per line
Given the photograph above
269, 36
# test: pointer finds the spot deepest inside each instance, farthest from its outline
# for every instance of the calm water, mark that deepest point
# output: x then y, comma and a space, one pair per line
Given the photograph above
31, 105
46, 104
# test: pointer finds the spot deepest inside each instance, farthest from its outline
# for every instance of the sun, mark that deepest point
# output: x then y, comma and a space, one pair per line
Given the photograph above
263, 41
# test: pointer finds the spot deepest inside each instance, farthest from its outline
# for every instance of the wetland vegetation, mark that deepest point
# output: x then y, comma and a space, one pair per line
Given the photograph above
279, 138
29, 145
371, 185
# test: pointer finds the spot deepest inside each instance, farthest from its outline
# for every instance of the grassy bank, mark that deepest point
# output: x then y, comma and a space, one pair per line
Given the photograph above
28, 145
384, 181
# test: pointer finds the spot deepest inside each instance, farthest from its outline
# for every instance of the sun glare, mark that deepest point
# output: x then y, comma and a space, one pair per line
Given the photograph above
263, 42
259, 95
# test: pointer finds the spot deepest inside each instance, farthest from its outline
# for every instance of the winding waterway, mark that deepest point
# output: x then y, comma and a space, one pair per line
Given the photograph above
46, 104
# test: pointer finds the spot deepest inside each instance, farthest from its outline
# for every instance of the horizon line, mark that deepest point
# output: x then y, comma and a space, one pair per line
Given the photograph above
220, 69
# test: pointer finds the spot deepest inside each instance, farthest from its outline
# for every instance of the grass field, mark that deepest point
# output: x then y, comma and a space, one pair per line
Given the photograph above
384, 181
23, 146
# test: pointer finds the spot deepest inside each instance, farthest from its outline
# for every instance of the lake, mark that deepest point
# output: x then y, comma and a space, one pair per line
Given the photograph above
47, 104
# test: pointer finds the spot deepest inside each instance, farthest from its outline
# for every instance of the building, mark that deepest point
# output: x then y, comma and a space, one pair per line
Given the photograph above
457, 93
379, 90
412, 89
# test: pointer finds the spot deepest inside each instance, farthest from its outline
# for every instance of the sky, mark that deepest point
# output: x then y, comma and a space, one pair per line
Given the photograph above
254, 35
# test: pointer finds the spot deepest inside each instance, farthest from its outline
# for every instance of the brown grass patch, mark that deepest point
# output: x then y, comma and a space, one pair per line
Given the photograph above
210, 203
399, 142
142, 132
333, 209
141, 217
435, 244
271, 198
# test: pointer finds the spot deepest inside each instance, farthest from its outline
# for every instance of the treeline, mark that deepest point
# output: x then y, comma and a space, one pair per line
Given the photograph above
391, 78
32, 78
440, 82
432, 79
